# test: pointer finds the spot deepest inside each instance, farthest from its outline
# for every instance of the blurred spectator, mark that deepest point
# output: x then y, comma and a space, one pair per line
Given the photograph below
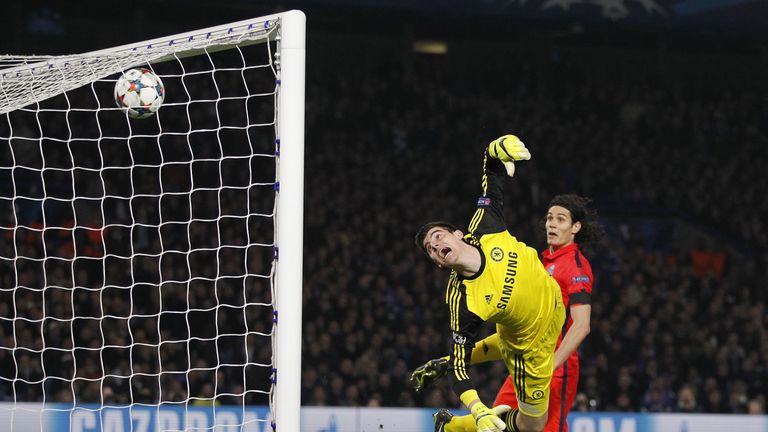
686, 400
658, 397
582, 403
756, 406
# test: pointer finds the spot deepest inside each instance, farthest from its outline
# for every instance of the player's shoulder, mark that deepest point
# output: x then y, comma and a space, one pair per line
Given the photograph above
580, 259
497, 238
581, 271
567, 255
571, 262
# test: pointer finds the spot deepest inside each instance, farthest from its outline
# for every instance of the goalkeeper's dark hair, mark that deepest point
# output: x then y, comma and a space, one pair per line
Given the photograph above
421, 234
591, 234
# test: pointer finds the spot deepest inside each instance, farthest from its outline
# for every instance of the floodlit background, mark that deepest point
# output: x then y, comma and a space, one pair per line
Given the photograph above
656, 109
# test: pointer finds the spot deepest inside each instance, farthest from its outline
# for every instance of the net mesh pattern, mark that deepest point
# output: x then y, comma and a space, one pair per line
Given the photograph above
137, 256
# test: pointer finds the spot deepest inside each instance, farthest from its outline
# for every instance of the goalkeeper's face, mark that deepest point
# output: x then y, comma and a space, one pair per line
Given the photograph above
443, 246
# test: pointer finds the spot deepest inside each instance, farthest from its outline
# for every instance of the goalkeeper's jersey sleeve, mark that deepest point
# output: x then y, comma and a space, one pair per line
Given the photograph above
512, 288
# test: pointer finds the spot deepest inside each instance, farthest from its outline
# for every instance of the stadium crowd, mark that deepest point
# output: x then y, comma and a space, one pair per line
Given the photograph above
679, 323
668, 149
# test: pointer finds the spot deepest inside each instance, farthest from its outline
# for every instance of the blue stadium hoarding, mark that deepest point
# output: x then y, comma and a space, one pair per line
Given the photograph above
136, 418
26, 417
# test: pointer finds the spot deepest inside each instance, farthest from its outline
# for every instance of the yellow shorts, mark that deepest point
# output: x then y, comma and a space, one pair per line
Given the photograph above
531, 369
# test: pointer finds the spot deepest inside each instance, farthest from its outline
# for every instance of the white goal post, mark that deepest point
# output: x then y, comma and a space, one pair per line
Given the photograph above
152, 269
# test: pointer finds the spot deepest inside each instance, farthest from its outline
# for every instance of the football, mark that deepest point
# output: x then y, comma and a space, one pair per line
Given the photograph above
139, 92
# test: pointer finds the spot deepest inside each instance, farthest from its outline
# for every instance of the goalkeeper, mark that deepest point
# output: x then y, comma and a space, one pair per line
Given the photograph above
570, 225
494, 277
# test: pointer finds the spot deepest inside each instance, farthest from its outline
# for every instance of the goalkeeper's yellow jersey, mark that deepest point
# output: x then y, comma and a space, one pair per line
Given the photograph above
512, 287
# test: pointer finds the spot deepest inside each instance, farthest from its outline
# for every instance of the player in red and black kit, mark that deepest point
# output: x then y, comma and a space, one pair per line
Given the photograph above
569, 224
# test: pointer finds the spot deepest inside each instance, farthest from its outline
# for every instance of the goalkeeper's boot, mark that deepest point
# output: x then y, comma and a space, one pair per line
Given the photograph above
442, 417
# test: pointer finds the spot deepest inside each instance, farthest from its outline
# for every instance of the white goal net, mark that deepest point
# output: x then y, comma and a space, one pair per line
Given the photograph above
143, 261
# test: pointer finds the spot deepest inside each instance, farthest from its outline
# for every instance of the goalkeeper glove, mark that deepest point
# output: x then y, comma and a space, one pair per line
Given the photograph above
508, 149
486, 419
500, 410
424, 375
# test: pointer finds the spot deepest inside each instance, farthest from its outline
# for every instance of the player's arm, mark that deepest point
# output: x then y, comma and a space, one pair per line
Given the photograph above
489, 216
580, 328
464, 328
500, 154
465, 325
580, 298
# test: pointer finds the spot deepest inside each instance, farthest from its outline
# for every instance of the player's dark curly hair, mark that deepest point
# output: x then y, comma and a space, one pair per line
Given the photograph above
422, 233
591, 234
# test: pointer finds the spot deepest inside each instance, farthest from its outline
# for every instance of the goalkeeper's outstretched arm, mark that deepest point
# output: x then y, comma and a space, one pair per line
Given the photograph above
499, 157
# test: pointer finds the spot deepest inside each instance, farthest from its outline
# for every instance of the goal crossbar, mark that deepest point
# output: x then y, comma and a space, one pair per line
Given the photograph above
53, 75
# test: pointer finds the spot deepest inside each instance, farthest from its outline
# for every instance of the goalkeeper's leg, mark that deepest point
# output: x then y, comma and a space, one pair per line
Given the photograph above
486, 350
